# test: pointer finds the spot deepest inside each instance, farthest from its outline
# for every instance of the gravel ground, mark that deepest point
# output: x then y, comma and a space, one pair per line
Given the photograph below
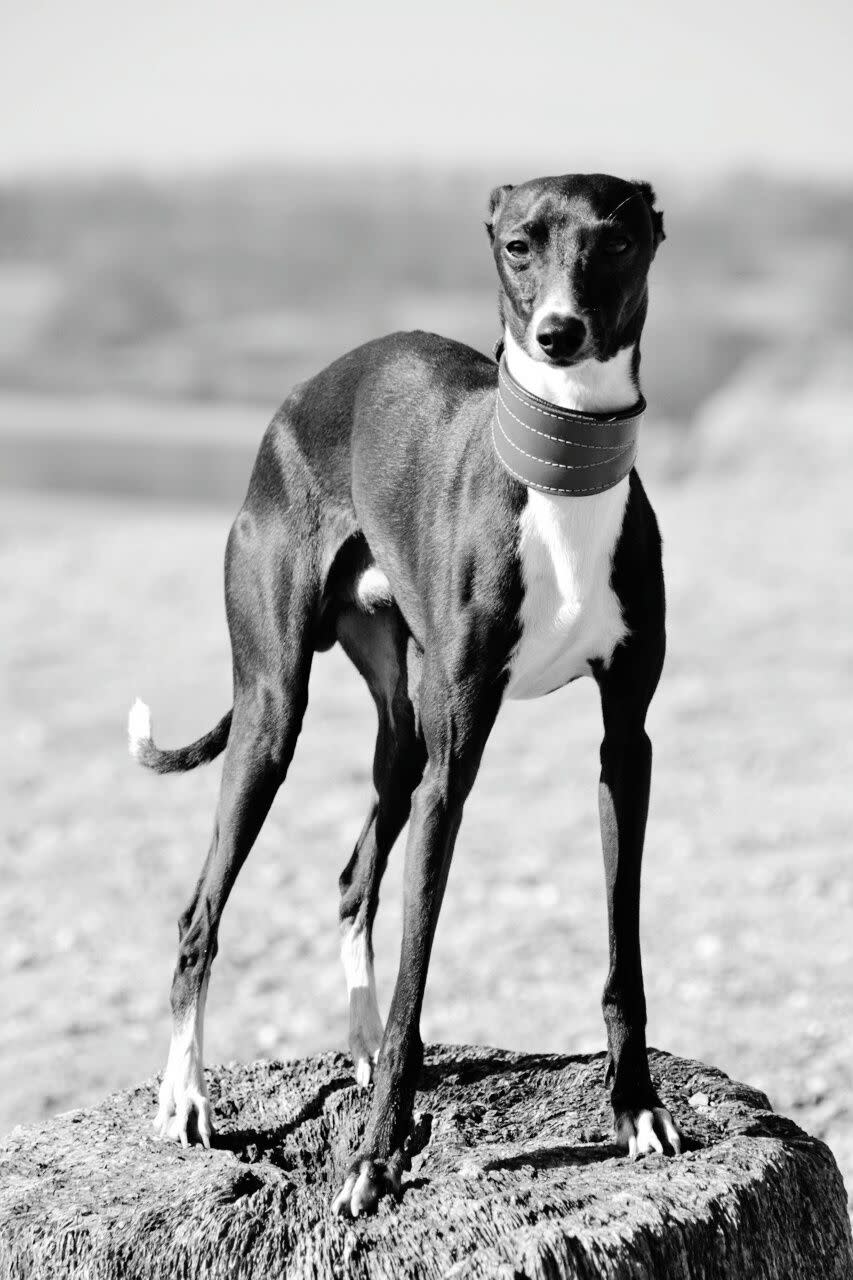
748, 944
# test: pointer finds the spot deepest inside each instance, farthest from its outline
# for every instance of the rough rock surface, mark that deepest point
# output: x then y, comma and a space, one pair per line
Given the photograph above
513, 1175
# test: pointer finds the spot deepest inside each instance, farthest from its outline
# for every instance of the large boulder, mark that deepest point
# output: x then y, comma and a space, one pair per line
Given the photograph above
514, 1174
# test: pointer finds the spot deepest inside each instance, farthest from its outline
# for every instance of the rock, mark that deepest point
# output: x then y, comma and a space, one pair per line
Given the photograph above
514, 1176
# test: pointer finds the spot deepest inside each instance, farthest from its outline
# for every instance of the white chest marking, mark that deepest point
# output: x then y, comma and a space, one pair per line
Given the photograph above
569, 614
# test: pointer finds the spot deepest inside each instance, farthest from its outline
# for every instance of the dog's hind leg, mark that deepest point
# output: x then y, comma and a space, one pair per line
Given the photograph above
270, 606
380, 647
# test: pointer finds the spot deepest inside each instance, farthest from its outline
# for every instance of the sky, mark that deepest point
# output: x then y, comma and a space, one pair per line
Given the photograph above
175, 85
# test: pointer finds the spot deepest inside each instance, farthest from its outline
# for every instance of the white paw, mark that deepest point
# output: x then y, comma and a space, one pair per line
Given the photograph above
364, 1070
365, 1186
365, 1024
184, 1112
649, 1130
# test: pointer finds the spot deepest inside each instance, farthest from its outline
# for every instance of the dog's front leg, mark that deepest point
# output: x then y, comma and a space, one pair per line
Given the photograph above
642, 1122
455, 735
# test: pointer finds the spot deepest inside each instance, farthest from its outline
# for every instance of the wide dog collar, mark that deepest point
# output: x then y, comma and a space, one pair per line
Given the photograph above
560, 450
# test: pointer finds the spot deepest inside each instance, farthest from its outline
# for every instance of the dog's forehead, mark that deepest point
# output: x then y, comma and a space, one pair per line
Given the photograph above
584, 197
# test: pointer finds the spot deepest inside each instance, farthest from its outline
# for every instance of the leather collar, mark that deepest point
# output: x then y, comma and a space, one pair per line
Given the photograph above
560, 450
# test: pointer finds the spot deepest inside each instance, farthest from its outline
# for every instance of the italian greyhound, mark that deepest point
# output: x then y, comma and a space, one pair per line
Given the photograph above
468, 532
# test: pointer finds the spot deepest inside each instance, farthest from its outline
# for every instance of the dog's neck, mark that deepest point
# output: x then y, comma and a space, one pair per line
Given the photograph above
593, 386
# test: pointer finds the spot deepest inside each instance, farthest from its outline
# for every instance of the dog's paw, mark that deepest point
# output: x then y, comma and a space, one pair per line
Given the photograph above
365, 1034
648, 1129
366, 1183
184, 1113
364, 1060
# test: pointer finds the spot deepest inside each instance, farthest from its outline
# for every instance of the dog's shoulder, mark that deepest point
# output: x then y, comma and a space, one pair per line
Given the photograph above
430, 366
423, 401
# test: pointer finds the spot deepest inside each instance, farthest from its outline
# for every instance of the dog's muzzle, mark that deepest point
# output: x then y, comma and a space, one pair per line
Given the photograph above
560, 450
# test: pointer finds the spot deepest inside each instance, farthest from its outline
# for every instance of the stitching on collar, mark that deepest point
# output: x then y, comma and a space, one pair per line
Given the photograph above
576, 444
567, 466
548, 488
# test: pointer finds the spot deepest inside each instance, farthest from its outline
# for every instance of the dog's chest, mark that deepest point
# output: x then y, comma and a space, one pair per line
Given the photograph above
570, 614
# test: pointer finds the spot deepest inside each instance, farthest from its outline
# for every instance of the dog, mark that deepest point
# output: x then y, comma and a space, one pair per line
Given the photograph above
410, 503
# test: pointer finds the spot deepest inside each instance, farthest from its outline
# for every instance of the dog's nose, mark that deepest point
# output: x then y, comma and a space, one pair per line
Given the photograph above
560, 336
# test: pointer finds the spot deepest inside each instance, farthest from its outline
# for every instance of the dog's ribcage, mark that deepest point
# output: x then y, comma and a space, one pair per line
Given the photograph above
569, 614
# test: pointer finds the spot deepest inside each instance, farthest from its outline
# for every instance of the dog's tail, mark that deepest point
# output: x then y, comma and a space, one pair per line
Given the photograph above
142, 748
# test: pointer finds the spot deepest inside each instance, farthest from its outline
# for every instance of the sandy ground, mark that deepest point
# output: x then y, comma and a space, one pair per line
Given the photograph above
748, 908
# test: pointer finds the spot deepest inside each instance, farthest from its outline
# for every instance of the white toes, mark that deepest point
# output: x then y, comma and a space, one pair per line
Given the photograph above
182, 1119
205, 1128
670, 1130
161, 1123
651, 1128
180, 1104
363, 1072
165, 1108
174, 1127
647, 1139
341, 1202
363, 1190
363, 1193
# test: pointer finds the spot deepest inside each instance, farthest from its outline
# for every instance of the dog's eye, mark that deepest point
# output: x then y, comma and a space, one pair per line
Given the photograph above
517, 249
617, 244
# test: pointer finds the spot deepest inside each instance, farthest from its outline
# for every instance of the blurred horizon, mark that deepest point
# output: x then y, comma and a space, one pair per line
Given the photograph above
201, 205
150, 327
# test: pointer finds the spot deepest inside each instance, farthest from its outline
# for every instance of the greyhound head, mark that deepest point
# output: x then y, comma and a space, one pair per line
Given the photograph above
573, 256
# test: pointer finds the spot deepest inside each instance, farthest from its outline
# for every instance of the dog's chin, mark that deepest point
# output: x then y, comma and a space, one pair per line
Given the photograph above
564, 362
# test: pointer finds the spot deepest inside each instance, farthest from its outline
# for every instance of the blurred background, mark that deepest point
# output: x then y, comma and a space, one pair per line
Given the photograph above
201, 204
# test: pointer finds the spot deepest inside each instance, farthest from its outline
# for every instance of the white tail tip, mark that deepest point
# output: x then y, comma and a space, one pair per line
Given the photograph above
138, 727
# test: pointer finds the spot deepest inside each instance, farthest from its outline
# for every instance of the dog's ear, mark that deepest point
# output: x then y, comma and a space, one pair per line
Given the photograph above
496, 201
647, 191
